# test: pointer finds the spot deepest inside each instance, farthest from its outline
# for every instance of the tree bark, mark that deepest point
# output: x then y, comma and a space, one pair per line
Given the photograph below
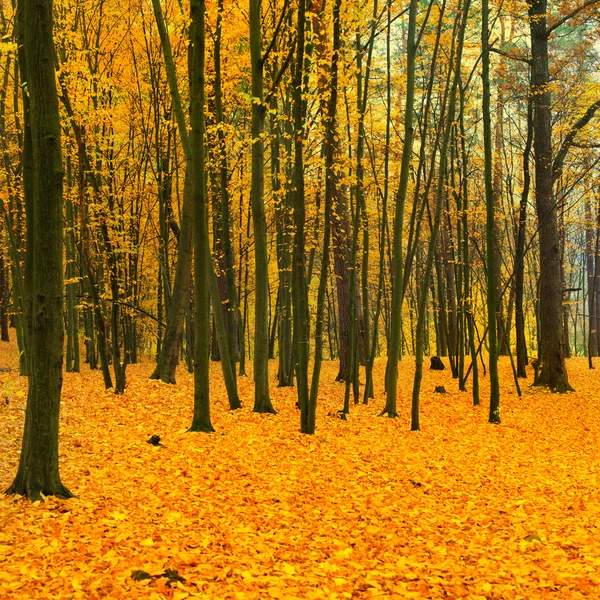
520, 251
201, 420
491, 198
38, 472
552, 353
395, 339
262, 400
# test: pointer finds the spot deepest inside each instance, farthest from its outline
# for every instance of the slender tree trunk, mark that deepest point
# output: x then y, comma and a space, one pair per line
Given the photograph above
168, 358
201, 420
231, 302
72, 312
490, 226
396, 326
380, 286
300, 286
285, 372
206, 284
3, 300
590, 236
520, 251
467, 294
262, 400
422, 298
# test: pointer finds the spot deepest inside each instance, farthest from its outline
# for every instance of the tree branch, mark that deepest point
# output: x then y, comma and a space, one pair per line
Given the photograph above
557, 165
279, 75
512, 56
284, 11
574, 12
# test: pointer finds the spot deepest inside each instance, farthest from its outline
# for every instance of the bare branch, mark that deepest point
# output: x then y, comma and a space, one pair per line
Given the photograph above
511, 56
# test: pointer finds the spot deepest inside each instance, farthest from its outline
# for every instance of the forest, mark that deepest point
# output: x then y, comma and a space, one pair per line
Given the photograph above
356, 242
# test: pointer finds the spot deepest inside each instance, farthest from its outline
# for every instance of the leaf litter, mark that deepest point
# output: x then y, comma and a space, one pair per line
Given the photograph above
363, 509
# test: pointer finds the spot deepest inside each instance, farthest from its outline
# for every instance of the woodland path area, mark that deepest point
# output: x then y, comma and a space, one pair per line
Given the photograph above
365, 508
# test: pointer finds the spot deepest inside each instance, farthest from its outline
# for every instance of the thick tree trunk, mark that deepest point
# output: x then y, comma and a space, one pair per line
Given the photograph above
38, 471
553, 368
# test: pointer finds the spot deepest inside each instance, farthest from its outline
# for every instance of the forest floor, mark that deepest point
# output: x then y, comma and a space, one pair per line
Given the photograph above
363, 509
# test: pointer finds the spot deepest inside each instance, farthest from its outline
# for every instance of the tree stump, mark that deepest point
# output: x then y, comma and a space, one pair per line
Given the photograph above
436, 364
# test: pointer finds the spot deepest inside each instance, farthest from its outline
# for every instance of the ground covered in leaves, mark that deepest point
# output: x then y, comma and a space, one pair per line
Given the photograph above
363, 509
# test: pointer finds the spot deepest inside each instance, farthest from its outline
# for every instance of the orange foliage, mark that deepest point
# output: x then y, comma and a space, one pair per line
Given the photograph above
363, 509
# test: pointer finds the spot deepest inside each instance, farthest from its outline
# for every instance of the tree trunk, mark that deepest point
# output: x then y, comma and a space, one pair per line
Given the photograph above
424, 284
201, 420
299, 283
231, 300
3, 300
395, 339
166, 364
38, 472
285, 371
491, 198
520, 251
262, 400
590, 245
552, 353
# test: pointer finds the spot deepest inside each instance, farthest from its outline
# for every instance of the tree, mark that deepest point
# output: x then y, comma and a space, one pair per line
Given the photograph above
299, 285
204, 271
262, 400
553, 373
38, 472
395, 340
490, 225
201, 421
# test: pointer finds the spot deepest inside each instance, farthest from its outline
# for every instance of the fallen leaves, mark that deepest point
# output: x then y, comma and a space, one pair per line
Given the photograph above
363, 509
